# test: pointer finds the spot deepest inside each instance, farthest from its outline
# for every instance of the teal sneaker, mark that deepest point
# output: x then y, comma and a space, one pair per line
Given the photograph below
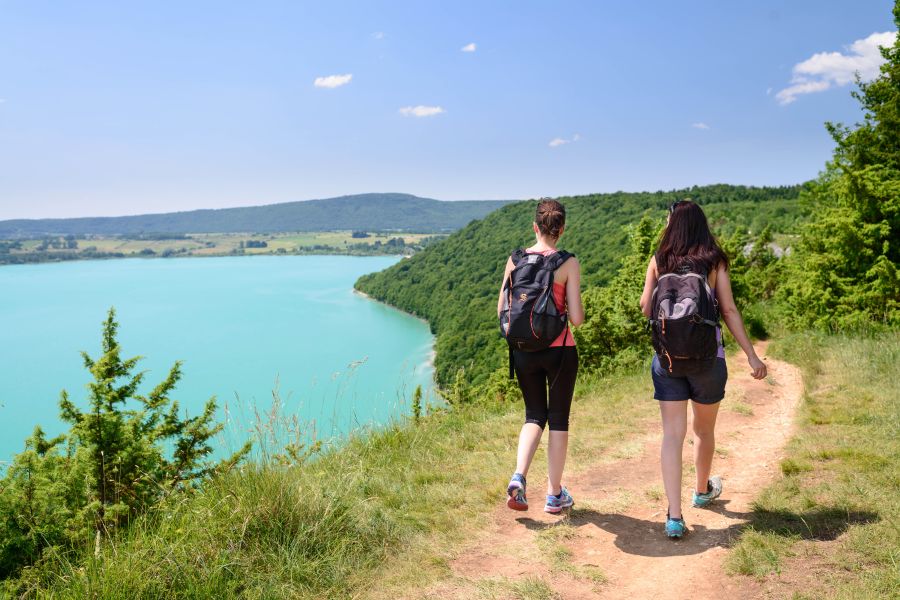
516, 492
713, 491
556, 504
675, 528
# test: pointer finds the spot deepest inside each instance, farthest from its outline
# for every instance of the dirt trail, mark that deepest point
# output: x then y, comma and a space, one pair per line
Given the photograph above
616, 526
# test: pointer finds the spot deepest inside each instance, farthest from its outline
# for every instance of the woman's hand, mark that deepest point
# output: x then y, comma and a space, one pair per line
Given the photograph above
758, 366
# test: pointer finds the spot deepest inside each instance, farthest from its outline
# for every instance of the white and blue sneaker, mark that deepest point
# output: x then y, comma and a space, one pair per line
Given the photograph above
559, 503
713, 491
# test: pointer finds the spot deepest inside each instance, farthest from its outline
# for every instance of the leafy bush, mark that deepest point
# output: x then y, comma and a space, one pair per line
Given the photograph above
614, 331
122, 456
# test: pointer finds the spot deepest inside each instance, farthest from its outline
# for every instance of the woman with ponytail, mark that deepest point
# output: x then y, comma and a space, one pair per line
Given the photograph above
546, 377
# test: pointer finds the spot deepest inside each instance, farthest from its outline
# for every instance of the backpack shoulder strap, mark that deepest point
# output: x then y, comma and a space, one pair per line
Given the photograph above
555, 261
517, 255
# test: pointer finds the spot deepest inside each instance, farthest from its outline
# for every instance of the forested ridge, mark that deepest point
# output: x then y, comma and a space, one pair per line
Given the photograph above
367, 212
454, 284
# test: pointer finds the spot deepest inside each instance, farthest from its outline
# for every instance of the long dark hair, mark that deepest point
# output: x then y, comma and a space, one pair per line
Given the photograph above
550, 217
687, 243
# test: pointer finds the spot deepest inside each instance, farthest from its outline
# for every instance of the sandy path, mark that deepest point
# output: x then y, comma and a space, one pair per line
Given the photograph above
616, 527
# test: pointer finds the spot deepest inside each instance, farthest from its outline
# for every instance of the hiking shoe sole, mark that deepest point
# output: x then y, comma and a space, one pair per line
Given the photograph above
517, 499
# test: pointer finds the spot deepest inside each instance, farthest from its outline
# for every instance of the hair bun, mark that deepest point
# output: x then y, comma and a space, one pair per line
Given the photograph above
550, 217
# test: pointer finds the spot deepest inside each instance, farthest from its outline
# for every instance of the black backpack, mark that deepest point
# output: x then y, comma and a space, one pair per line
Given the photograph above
529, 319
683, 320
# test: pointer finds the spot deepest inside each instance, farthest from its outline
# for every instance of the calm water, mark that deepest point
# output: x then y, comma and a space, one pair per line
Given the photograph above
240, 324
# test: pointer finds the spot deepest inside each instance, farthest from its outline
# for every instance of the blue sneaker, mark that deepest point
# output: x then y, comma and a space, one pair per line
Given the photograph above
559, 503
713, 491
675, 528
516, 492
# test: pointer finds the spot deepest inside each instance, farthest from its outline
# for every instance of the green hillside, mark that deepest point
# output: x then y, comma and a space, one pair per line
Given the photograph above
366, 212
454, 284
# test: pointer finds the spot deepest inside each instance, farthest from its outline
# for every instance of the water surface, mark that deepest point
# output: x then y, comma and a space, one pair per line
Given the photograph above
242, 325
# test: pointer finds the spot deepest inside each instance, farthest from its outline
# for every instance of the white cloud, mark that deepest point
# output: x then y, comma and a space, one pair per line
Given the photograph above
421, 111
469, 47
378, 35
825, 70
558, 141
700, 125
333, 81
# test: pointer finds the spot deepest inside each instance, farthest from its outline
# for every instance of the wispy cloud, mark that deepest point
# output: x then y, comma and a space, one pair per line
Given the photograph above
421, 111
825, 70
333, 81
378, 35
700, 125
558, 141
469, 47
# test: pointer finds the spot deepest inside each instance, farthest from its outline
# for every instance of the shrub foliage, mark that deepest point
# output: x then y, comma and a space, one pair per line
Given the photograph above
123, 454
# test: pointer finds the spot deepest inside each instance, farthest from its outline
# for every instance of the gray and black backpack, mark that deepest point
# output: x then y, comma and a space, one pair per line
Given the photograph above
684, 318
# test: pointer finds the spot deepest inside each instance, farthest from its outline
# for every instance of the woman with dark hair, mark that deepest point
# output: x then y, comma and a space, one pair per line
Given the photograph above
688, 247
546, 377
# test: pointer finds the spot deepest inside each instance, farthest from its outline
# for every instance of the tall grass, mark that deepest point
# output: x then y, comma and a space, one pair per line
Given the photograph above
836, 511
329, 525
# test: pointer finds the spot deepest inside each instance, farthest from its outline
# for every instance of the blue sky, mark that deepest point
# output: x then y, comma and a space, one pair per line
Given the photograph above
111, 108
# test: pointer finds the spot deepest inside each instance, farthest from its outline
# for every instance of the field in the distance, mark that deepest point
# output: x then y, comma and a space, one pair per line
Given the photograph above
212, 244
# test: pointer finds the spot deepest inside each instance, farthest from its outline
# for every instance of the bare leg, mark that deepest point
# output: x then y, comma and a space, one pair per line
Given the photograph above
529, 440
556, 460
674, 422
704, 441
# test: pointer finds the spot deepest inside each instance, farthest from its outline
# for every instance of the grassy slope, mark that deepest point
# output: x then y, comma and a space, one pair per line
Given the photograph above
386, 511
385, 508
454, 284
831, 526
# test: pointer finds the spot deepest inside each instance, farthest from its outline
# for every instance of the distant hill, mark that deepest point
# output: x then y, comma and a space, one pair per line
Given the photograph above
369, 212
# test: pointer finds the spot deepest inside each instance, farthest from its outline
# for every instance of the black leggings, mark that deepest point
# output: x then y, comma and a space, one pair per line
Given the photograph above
556, 367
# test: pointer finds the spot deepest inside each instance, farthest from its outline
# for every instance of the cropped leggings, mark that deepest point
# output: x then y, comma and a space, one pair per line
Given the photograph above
553, 368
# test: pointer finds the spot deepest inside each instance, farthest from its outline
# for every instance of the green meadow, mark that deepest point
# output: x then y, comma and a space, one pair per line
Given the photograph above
211, 244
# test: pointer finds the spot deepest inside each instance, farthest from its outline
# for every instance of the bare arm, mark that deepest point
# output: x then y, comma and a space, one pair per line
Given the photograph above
649, 286
573, 293
509, 267
735, 323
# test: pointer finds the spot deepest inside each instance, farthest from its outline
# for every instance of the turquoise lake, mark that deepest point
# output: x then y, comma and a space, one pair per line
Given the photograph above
242, 326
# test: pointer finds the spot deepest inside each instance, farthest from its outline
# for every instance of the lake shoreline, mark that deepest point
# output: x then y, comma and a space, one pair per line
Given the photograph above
224, 255
391, 306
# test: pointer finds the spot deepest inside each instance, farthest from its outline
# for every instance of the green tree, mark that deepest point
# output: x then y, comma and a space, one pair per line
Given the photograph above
845, 271
417, 403
122, 455
614, 327
460, 391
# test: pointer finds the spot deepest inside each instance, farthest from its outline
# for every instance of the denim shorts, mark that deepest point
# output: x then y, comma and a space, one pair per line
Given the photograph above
702, 382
